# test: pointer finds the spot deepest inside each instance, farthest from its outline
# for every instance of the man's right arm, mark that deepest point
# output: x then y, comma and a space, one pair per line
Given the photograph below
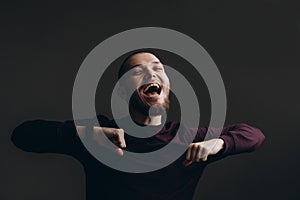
43, 136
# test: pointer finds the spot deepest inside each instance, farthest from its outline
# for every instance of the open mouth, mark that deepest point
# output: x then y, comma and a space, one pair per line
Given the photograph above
151, 89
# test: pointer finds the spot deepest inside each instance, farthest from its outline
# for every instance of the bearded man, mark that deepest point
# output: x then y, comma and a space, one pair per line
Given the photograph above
146, 76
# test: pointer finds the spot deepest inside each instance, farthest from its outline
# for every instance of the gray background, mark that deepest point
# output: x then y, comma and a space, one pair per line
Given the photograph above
255, 44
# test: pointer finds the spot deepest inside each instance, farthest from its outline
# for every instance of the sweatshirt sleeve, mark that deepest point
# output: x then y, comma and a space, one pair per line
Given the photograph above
241, 138
238, 138
42, 136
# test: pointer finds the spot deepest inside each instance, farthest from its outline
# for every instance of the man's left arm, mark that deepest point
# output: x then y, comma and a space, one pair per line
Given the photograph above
233, 139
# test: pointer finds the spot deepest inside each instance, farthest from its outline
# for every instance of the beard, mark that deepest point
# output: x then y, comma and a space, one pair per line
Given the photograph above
141, 105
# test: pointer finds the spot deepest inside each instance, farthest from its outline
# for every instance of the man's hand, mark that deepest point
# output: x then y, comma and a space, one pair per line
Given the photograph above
199, 151
115, 135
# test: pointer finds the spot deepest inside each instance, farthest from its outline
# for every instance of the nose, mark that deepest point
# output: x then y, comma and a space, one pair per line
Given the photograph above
150, 73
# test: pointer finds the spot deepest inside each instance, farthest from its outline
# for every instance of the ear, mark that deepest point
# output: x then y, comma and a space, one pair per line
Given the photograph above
122, 92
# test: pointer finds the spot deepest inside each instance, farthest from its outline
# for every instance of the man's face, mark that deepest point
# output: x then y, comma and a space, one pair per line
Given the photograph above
148, 79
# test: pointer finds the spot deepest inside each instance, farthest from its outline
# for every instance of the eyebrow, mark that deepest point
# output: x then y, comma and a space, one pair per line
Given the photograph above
155, 62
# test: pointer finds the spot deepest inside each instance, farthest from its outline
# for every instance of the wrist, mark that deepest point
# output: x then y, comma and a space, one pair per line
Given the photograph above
221, 143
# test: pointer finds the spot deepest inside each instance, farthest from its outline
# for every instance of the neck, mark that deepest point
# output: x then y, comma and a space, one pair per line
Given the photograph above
146, 120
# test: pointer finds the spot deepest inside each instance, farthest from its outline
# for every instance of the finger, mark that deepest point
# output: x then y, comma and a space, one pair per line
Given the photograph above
204, 154
187, 163
199, 153
204, 159
194, 152
188, 153
119, 151
121, 138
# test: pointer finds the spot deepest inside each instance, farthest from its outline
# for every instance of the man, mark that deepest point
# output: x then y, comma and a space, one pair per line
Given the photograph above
145, 76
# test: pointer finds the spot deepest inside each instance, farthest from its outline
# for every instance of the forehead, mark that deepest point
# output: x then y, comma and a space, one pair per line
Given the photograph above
142, 59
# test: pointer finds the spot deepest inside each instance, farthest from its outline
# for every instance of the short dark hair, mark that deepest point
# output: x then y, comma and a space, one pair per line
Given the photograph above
123, 68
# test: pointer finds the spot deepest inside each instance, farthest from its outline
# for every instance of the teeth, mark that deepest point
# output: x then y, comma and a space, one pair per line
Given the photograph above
151, 85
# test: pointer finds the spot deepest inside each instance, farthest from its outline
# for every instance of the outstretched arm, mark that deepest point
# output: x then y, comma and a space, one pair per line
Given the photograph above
233, 139
43, 136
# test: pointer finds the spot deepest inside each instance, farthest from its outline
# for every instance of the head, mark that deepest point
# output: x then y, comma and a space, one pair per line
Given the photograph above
146, 76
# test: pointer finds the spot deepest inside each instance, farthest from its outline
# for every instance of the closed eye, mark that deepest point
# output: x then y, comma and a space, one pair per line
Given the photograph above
158, 68
137, 71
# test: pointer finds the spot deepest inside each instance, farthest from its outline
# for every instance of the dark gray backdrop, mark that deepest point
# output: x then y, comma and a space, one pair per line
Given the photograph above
255, 44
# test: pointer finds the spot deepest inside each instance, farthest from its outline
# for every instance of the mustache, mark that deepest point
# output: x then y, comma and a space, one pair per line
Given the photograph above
140, 104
